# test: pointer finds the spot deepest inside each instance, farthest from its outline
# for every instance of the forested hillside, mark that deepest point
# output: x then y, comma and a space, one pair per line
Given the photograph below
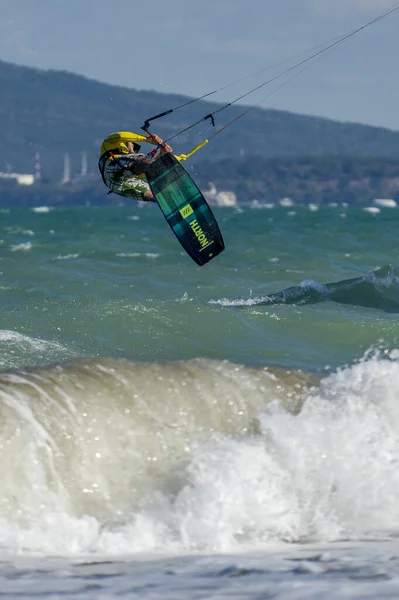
56, 112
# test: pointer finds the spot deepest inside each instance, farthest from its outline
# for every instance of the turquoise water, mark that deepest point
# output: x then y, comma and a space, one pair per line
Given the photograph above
114, 282
169, 430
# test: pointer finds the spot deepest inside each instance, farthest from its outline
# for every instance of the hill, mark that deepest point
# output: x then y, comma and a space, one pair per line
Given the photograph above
55, 112
304, 180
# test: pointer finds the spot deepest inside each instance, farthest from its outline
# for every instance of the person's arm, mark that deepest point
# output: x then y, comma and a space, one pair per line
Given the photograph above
164, 149
154, 139
137, 165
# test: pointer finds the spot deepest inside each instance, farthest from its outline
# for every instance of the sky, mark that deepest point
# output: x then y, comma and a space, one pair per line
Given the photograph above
194, 47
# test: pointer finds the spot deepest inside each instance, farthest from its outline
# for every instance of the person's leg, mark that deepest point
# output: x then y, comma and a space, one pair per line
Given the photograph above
121, 182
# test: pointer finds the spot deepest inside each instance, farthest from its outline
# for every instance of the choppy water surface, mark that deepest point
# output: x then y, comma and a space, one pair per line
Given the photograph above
182, 431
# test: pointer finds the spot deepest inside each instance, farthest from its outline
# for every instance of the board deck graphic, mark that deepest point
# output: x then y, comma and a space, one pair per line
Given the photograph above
185, 209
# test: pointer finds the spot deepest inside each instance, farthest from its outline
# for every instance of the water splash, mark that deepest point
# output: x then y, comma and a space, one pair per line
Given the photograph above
378, 289
112, 456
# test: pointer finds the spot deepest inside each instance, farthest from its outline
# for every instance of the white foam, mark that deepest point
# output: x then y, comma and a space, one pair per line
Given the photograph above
328, 473
42, 209
24, 247
137, 254
18, 349
66, 256
238, 302
385, 202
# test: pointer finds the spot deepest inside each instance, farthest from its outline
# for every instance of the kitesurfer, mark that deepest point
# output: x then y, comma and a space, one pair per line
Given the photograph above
122, 167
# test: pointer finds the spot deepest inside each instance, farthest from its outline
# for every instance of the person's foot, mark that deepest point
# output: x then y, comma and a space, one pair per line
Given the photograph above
148, 197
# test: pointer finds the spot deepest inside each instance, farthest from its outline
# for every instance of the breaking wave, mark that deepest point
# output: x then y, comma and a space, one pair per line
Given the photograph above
113, 456
378, 289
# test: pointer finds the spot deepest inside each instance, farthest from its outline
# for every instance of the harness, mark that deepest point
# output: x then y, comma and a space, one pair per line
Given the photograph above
114, 153
104, 158
109, 155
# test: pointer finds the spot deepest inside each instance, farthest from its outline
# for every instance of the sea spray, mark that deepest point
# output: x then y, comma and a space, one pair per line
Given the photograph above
113, 456
98, 436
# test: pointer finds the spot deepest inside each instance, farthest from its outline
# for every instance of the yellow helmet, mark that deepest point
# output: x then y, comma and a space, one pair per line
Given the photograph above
118, 141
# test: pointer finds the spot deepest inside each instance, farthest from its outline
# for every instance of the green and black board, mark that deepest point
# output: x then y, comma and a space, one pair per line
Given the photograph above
185, 209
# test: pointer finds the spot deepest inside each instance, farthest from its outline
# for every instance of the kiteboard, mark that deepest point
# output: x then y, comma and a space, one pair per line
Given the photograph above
185, 209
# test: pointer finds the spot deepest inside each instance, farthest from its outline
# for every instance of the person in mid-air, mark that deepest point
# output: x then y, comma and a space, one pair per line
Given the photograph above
122, 167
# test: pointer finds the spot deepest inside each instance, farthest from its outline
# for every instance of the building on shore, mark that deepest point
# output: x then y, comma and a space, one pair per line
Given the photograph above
17, 178
222, 198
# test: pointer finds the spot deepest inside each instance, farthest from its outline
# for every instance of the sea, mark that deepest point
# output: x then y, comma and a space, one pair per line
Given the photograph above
176, 432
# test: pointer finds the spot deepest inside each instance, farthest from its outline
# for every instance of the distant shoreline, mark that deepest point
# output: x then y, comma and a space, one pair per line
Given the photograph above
302, 180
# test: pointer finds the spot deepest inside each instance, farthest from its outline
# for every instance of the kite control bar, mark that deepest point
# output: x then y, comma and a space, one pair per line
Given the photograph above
147, 122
